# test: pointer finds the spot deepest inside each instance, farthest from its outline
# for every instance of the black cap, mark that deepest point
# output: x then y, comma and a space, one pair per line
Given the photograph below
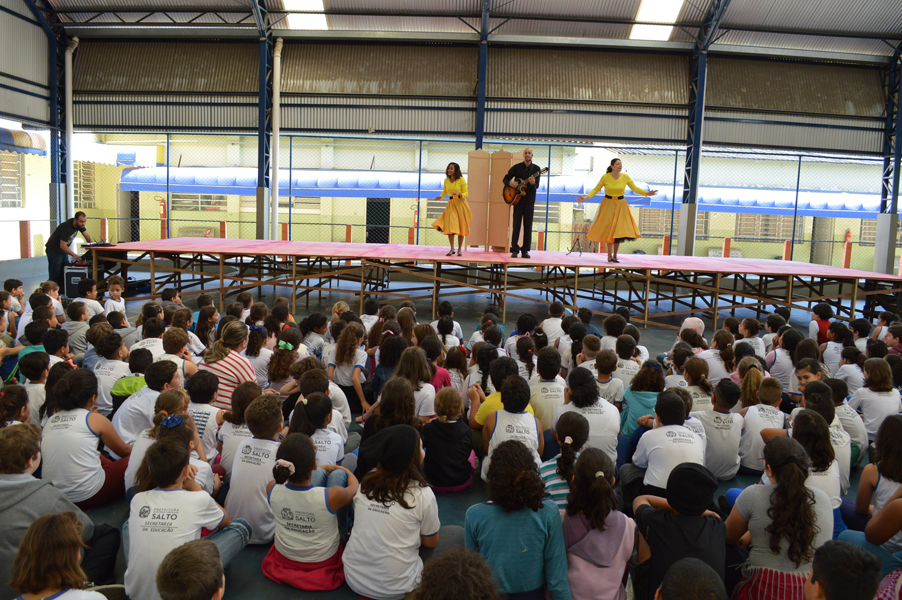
690, 489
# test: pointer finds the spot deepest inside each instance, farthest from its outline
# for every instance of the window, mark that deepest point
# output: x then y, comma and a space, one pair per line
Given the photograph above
554, 212
765, 228
83, 182
198, 202
434, 209
301, 205
868, 233
656, 221
12, 179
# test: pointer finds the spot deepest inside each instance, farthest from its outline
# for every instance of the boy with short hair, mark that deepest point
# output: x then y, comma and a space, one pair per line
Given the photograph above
14, 287
170, 297
842, 571
766, 415
93, 336
236, 309
445, 309
691, 579
613, 329
120, 325
36, 300
34, 335
115, 303
35, 367
193, 571
56, 345
77, 327
87, 293
154, 530
138, 362
723, 431
252, 469
623, 312
175, 346
137, 412
370, 314
680, 354
552, 326
861, 330
246, 299
585, 315
152, 333
893, 339
772, 324
317, 381
109, 369
586, 358
626, 366
609, 387
202, 390
547, 393
820, 321
281, 300
849, 418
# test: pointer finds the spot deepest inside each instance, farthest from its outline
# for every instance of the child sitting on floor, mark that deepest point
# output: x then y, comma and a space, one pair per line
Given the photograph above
450, 460
557, 473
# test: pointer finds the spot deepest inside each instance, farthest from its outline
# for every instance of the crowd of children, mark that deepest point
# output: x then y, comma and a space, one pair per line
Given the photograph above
601, 462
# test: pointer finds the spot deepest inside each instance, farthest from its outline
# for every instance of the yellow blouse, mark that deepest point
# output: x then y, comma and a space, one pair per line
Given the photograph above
615, 187
456, 187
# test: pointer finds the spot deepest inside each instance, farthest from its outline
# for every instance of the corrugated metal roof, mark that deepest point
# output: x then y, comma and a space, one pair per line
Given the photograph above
562, 29
244, 5
611, 9
776, 86
693, 11
806, 42
166, 67
872, 16
438, 6
158, 18
389, 23
588, 75
198, 113
375, 69
394, 120
25, 46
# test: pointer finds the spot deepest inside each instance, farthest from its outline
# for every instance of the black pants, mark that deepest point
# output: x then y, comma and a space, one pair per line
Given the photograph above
55, 263
524, 211
99, 560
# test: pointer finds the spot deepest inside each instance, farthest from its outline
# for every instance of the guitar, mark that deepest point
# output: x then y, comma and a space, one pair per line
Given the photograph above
512, 195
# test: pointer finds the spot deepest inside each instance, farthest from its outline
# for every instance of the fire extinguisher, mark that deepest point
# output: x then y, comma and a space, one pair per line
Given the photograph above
416, 218
162, 206
848, 235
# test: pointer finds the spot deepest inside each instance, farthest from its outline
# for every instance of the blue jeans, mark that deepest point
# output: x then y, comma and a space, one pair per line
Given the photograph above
55, 263
337, 478
889, 562
230, 540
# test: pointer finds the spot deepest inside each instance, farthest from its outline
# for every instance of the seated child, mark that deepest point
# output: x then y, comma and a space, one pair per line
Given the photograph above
626, 366
450, 461
234, 428
252, 468
110, 368
610, 388
681, 353
513, 422
152, 535
138, 363
552, 326
307, 551
613, 329
765, 415
202, 389
87, 293
137, 412
582, 396
723, 431
557, 473
35, 367
842, 570
547, 393
849, 419
193, 571
311, 417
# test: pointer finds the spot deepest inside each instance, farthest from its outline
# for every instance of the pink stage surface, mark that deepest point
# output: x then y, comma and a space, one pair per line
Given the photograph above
403, 252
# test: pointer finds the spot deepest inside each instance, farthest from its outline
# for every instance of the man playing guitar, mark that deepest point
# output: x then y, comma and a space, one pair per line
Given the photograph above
524, 209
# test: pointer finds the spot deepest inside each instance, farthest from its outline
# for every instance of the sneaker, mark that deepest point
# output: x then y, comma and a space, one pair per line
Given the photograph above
525, 254
514, 254
722, 504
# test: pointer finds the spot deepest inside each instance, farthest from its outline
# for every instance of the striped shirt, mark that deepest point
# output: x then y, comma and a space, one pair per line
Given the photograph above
232, 370
555, 488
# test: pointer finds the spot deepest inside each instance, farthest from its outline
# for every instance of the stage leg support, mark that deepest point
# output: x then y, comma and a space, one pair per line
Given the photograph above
221, 282
884, 245
153, 276
717, 298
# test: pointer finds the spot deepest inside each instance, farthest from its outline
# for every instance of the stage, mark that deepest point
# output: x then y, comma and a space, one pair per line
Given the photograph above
692, 285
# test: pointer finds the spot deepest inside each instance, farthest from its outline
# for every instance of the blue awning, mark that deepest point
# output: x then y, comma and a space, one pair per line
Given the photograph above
16, 140
314, 183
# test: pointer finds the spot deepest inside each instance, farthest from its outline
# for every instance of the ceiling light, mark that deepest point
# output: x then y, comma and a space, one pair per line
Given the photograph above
656, 11
305, 21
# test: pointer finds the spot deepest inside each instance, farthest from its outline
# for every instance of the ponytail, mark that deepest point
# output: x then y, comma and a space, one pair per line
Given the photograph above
255, 338
75, 390
57, 372
526, 350
311, 323
310, 414
723, 339
750, 381
484, 359
592, 488
792, 504
13, 398
842, 334
169, 402
573, 432
294, 459
854, 356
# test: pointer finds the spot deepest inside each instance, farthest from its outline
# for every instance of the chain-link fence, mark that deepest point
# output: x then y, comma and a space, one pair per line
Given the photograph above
375, 190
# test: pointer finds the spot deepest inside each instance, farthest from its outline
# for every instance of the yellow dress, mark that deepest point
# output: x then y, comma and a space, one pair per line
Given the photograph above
457, 216
614, 223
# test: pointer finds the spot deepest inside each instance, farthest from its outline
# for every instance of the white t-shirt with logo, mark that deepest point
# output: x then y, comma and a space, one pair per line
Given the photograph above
136, 414
700, 400
853, 425
160, 521
155, 345
852, 375
260, 364
662, 449
70, 457
306, 528
344, 374
139, 449
111, 306
875, 407
522, 427
716, 368
756, 343
205, 419
329, 447
545, 397
722, 432
231, 436
611, 390
251, 472
424, 400
382, 558
108, 372
604, 425
626, 370
675, 381
751, 444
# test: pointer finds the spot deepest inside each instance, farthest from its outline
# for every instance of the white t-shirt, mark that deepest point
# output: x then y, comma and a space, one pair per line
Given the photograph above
368, 321
716, 368
522, 427
611, 390
782, 368
675, 381
382, 558
155, 345
108, 372
700, 400
875, 407
204, 476
37, 395
756, 343
604, 425
475, 339
842, 449
456, 332
111, 306
523, 368
314, 343
642, 353
564, 343
136, 414
306, 528
545, 397
696, 427
537, 378
205, 420
71, 594
340, 403
609, 342
832, 355
94, 307
751, 444
458, 381
329, 447
344, 374
260, 364
768, 339
852, 375
853, 425
552, 328
828, 481
722, 432
862, 345
70, 457
251, 472
626, 370
662, 449
231, 436
139, 449
161, 521
424, 400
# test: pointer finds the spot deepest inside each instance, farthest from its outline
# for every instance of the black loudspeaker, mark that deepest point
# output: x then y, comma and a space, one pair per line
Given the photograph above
72, 274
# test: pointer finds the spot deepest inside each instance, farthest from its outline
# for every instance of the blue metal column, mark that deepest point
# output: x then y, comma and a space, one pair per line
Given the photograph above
481, 76
264, 121
888, 219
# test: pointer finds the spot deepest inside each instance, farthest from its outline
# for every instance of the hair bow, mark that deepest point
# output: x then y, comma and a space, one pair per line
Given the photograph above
71, 364
382, 320
283, 345
287, 464
388, 331
568, 440
656, 366
257, 329
599, 474
172, 421
526, 334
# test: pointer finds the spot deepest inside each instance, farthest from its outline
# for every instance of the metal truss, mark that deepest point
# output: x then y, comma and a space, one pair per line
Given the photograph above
892, 148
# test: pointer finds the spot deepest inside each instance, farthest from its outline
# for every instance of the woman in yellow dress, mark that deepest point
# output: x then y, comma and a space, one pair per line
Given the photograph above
457, 216
614, 223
